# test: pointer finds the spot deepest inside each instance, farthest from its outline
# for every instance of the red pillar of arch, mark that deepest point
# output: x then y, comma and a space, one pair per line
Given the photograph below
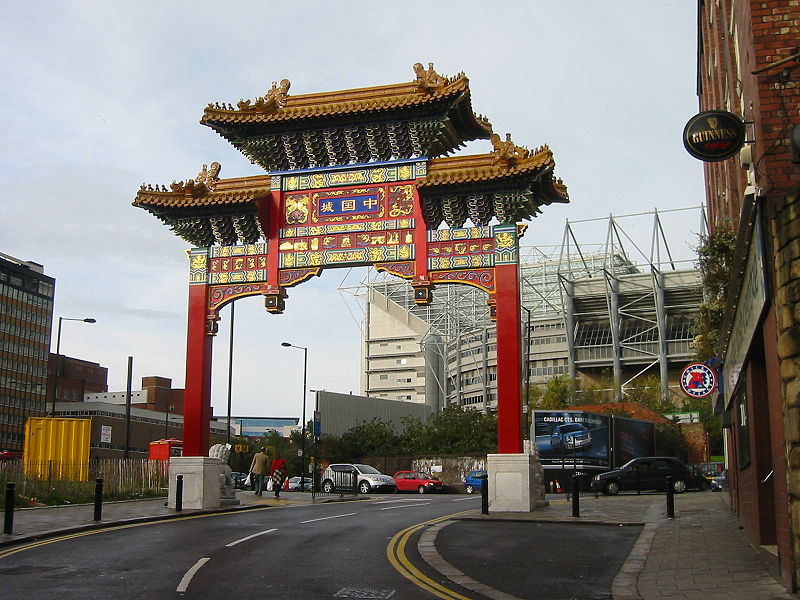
197, 399
509, 357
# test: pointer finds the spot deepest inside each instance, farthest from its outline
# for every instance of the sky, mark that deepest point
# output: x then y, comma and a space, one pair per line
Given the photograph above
101, 97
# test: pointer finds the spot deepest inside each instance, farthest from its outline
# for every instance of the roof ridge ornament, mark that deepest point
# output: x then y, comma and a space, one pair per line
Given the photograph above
430, 80
274, 99
209, 177
507, 152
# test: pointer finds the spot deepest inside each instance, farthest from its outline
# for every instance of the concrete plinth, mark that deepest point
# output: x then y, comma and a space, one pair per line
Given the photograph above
516, 483
200, 481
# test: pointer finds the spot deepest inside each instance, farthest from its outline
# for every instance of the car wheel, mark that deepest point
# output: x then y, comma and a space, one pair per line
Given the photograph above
421, 489
327, 486
611, 488
470, 489
364, 487
679, 486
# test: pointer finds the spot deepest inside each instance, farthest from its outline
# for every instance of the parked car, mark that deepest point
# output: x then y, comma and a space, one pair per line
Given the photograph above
570, 436
720, 482
366, 479
647, 473
295, 485
473, 482
238, 480
710, 469
417, 481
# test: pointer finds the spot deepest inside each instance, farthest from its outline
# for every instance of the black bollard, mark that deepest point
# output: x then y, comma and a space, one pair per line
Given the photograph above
485, 495
670, 498
98, 499
576, 502
8, 526
179, 493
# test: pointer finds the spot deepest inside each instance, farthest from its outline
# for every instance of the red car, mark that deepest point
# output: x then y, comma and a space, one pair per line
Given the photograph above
417, 481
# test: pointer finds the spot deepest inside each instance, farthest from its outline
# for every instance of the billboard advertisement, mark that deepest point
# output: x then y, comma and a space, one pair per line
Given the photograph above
572, 438
632, 439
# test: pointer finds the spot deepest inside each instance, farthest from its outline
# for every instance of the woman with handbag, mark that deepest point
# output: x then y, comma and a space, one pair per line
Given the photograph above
278, 474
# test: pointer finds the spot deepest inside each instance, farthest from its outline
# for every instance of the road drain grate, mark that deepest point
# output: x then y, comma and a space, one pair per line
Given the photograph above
364, 593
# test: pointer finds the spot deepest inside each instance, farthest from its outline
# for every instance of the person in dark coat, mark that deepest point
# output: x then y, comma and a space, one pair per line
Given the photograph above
278, 473
258, 469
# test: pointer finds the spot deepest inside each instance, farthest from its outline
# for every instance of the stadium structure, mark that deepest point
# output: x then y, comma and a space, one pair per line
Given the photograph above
606, 313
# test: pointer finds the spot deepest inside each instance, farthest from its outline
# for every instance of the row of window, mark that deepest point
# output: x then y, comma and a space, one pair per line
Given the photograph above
10, 363
10, 438
12, 419
543, 371
19, 312
547, 326
22, 349
17, 328
29, 286
553, 339
26, 404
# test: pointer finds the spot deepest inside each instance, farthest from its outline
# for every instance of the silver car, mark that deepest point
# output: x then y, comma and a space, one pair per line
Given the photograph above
356, 477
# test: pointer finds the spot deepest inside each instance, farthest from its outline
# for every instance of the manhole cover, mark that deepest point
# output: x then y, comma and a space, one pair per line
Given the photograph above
364, 593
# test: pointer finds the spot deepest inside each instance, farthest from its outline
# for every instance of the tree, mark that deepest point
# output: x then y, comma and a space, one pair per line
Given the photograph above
452, 431
556, 395
715, 253
647, 392
373, 438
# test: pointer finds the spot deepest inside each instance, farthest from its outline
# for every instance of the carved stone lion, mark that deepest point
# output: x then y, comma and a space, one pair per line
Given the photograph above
223, 453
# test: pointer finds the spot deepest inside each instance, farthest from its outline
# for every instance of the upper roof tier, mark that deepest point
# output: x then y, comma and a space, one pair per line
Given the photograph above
430, 116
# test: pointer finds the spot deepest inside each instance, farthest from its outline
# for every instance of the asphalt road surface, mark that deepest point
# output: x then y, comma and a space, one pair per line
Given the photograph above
332, 550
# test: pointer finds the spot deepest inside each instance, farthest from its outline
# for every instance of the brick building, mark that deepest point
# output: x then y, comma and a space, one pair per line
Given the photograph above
77, 377
748, 65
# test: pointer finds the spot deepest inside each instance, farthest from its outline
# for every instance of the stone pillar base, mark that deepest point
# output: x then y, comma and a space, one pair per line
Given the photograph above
200, 481
516, 483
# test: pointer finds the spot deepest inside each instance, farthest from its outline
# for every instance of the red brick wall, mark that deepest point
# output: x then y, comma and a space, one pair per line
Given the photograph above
737, 38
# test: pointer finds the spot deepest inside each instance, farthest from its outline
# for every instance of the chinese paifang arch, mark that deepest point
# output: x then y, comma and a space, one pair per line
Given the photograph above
353, 178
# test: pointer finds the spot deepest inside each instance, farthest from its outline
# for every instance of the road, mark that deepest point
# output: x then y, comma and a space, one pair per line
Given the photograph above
312, 551
365, 549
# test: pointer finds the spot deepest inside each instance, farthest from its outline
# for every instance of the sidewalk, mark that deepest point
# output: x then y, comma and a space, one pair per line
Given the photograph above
46, 521
701, 554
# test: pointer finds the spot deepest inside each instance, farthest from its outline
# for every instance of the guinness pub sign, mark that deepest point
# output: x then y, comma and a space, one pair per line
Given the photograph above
713, 135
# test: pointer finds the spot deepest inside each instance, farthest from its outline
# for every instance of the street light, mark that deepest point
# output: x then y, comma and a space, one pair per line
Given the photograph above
303, 440
58, 356
166, 421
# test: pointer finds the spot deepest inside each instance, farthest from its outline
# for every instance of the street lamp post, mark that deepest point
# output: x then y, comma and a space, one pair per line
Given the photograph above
303, 417
58, 357
166, 421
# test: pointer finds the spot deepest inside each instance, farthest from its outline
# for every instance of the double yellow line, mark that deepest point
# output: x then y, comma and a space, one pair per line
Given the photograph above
396, 553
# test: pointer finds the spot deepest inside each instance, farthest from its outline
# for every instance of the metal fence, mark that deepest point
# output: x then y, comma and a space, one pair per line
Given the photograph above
334, 483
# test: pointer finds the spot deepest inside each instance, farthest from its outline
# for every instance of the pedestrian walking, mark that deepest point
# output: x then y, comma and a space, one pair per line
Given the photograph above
278, 474
258, 469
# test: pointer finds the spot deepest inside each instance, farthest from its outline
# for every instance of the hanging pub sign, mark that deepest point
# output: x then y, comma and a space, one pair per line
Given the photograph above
713, 135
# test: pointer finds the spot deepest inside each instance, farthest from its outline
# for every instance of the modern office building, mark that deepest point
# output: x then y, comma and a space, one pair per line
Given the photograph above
256, 427
588, 315
26, 318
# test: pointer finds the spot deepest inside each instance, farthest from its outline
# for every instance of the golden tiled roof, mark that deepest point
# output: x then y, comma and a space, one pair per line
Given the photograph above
280, 106
225, 192
430, 116
475, 168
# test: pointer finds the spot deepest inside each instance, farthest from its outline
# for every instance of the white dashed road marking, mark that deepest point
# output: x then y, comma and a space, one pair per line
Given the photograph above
184, 584
249, 537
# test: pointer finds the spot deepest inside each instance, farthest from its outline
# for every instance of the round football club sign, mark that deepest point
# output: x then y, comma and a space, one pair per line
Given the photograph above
698, 380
